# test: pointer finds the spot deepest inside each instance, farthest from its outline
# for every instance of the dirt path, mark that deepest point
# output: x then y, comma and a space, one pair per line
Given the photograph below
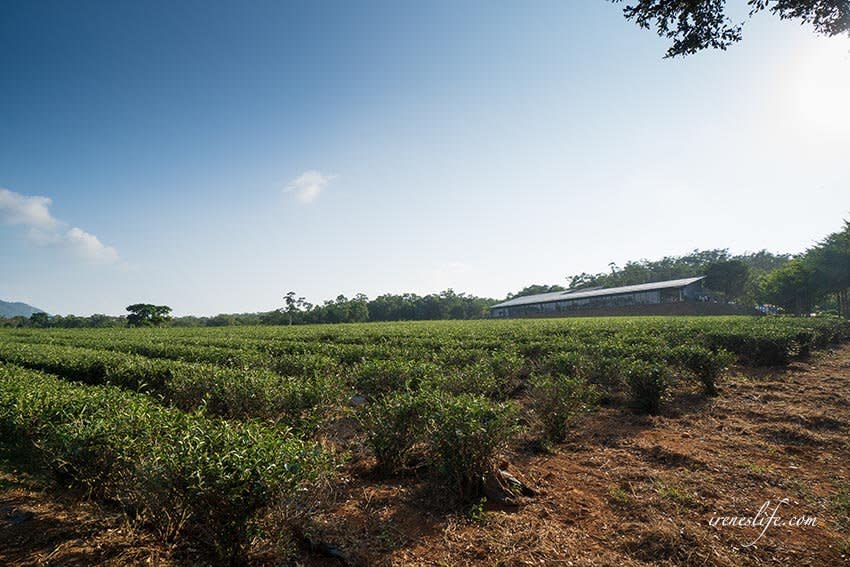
627, 490
631, 490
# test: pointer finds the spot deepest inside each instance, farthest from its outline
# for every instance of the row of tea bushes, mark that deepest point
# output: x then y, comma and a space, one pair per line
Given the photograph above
226, 392
162, 348
184, 474
300, 351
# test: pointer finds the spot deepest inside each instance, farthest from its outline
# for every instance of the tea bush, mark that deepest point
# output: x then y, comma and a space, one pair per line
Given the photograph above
185, 474
705, 365
649, 383
458, 434
559, 399
373, 378
394, 425
567, 363
465, 432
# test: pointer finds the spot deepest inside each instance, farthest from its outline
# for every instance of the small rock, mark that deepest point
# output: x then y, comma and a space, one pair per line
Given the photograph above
501, 487
357, 401
516, 484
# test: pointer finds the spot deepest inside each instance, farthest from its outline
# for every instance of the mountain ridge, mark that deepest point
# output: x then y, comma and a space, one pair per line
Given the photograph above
17, 309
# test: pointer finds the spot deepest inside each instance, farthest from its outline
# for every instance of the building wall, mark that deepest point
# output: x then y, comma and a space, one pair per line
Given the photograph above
652, 297
691, 293
678, 308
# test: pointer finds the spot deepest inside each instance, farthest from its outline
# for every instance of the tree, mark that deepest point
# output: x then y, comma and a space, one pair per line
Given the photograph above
101, 321
294, 305
830, 263
17, 322
534, 289
694, 25
358, 310
39, 319
728, 276
762, 262
791, 287
815, 278
648, 271
147, 315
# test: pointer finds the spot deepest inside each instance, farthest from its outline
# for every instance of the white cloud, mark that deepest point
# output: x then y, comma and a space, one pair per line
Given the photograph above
29, 211
33, 212
309, 185
88, 247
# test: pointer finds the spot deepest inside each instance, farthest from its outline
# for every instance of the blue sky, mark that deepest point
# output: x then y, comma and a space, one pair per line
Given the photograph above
212, 156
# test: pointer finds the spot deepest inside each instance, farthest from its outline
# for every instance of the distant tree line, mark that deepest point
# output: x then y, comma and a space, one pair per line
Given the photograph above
387, 307
140, 315
67, 321
295, 311
737, 278
535, 289
816, 280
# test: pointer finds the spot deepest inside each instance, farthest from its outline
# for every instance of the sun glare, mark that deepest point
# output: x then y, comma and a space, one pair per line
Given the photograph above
821, 99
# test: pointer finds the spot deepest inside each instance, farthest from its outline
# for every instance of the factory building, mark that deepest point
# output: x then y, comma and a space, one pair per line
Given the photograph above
608, 300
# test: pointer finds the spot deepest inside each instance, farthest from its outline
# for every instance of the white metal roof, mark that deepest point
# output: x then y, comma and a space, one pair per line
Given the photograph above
573, 294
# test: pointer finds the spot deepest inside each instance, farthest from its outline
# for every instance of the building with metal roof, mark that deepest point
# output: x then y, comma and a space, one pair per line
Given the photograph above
575, 301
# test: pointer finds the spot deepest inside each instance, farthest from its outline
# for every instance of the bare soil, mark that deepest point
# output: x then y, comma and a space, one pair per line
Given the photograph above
40, 526
626, 490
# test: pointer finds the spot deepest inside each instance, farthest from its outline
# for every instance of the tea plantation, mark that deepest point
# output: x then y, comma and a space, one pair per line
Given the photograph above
225, 436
